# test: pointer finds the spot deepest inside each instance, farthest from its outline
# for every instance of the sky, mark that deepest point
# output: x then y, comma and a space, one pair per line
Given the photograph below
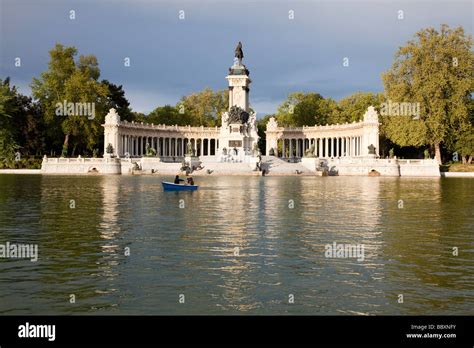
180, 47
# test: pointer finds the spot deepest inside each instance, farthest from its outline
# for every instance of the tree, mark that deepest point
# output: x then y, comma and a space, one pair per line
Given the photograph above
7, 143
66, 80
204, 108
168, 115
436, 71
353, 107
20, 124
305, 109
261, 128
116, 99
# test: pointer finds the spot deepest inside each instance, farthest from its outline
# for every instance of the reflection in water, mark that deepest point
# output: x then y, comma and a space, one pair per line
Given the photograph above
185, 243
109, 229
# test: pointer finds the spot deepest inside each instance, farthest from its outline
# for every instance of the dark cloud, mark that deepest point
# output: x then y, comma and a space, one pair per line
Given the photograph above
172, 57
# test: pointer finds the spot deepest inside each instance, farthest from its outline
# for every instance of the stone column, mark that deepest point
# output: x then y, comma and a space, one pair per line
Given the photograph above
125, 144
332, 146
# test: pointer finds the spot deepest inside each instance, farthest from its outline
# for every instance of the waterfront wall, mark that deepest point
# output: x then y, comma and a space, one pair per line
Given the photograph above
148, 165
81, 165
363, 166
428, 167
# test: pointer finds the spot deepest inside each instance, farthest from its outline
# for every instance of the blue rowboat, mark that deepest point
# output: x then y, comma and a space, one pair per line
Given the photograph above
169, 186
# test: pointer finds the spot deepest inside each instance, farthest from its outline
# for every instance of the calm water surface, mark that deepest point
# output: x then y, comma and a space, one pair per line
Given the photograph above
190, 251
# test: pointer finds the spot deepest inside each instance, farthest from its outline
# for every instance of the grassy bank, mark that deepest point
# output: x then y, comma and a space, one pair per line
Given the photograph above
457, 167
24, 163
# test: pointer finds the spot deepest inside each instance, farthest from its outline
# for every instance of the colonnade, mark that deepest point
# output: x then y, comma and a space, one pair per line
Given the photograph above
135, 145
324, 147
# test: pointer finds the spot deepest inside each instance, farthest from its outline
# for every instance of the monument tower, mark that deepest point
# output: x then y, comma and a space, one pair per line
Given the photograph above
238, 134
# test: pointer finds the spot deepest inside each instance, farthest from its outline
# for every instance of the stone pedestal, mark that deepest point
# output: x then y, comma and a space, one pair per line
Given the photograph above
238, 134
192, 161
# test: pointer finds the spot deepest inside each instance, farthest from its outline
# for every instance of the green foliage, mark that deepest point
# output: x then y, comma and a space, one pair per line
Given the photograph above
309, 109
436, 70
353, 107
404, 130
23, 163
168, 115
20, 123
305, 109
116, 99
261, 128
465, 143
66, 80
64, 150
204, 108
8, 146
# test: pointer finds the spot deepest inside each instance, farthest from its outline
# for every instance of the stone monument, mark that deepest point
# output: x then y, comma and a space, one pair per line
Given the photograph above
238, 134
190, 158
111, 136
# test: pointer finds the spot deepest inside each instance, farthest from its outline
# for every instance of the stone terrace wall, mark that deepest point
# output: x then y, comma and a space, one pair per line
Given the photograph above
81, 166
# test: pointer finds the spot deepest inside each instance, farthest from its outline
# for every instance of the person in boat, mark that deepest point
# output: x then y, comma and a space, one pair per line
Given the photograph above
177, 180
190, 181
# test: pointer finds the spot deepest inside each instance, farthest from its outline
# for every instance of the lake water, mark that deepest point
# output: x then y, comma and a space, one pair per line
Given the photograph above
240, 245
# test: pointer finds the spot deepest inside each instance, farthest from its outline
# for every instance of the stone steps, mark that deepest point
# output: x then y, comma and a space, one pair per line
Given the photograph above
275, 165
